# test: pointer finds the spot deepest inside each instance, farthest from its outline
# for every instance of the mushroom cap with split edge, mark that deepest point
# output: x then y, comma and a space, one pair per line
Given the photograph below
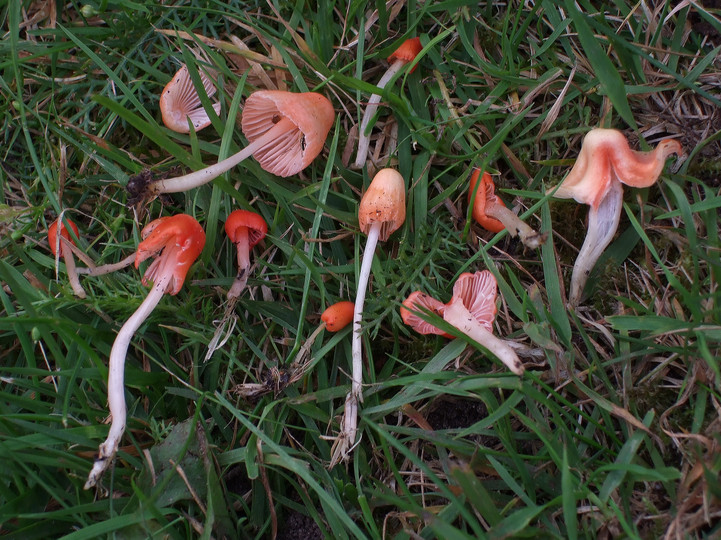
417, 302
180, 238
477, 292
254, 223
293, 151
180, 101
384, 201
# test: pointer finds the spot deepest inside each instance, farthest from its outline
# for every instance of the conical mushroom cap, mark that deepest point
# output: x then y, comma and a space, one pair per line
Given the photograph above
384, 202
53, 233
606, 157
293, 151
477, 292
486, 195
407, 51
180, 101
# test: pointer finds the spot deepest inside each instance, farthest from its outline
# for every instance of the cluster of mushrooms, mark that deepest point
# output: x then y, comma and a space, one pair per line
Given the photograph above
286, 131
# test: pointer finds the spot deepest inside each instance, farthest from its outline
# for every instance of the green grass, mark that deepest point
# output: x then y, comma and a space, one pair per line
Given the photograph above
614, 429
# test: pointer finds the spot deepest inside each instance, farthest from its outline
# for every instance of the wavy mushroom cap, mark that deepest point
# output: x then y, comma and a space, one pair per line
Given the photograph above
338, 316
254, 224
383, 202
294, 150
477, 292
180, 101
180, 238
53, 234
485, 194
407, 51
418, 302
605, 157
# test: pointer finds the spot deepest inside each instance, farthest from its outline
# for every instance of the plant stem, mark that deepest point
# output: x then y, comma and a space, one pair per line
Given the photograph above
458, 315
363, 138
203, 176
116, 381
515, 226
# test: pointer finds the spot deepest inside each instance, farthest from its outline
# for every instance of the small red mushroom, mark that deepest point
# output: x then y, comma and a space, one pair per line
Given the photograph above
471, 310
245, 229
175, 242
61, 244
286, 132
403, 55
491, 213
604, 163
338, 316
180, 101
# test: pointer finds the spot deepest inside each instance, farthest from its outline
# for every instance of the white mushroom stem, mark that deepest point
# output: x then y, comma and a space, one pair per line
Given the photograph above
203, 176
602, 224
515, 226
116, 381
458, 315
94, 270
72, 271
241, 279
363, 137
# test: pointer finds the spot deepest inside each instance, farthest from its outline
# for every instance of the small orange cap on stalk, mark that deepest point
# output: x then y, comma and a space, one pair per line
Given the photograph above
407, 52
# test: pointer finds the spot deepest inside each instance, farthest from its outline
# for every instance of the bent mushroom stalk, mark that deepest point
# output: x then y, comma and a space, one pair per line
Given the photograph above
62, 244
471, 310
180, 102
245, 229
285, 130
604, 163
404, 54
382, 210
175, 242
491, 212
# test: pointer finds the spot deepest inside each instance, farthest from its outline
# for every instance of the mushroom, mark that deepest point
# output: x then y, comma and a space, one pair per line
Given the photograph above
180, 102
382, 210
605, 162
336, 317
245, 229
176, 242
471, 310
491, 213
404, 54
286, 132
62, 244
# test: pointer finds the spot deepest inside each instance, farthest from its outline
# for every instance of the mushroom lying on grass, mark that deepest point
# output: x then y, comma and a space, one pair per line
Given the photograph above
382, 210
471, 310
404, 54
285, 130
61, 244
180, 102
491, 213
176, 242
605, 163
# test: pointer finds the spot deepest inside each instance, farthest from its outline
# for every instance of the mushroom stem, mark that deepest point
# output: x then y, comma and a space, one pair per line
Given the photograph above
72, 270
458, 315
243, 264
515, 226
203, 176
363, 137
116, 378
602, 224
93, 270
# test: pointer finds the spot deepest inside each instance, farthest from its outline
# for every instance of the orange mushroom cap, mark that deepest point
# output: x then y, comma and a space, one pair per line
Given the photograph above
338, 316
605, 157
486, 193
180, 101
407, 51
418, 302
313, 115
53, 234
384, 201
477, 292
254, 223
181, 240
